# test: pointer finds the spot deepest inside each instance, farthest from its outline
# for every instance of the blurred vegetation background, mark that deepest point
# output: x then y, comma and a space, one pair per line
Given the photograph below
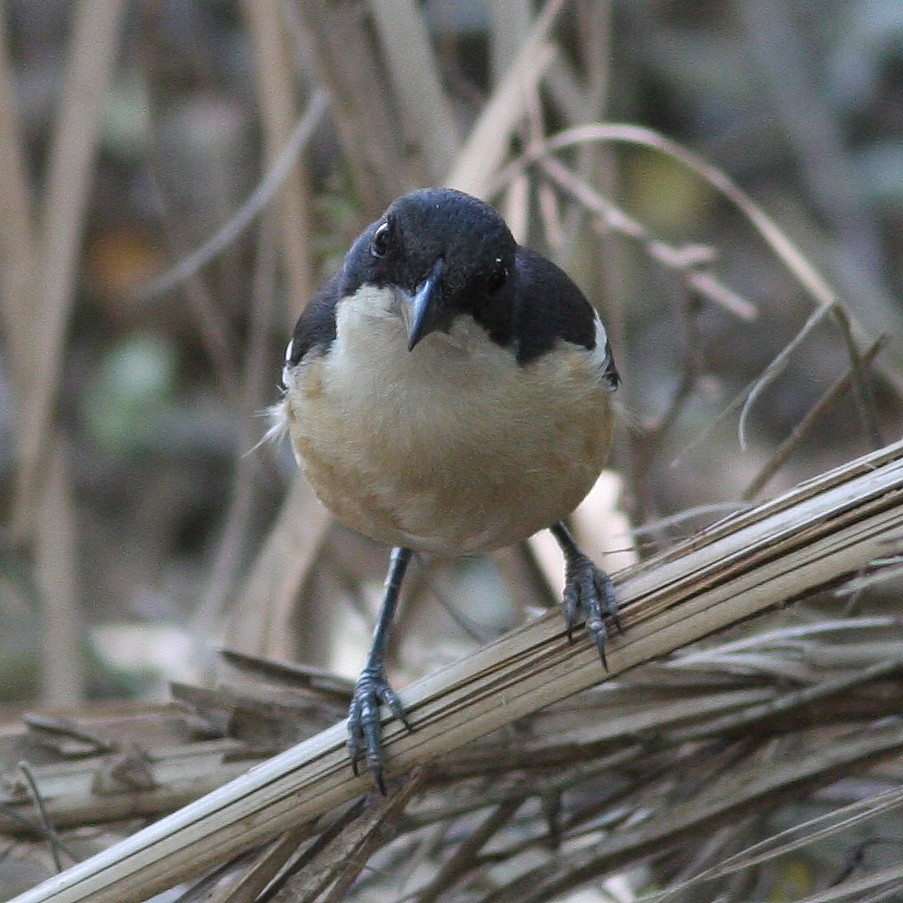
176, 178
132, 132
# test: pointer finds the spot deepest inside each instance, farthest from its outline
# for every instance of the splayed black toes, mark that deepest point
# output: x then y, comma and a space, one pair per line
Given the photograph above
589, 594
365, 723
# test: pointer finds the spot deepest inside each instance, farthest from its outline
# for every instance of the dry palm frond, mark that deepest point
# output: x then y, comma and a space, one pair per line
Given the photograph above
717, 733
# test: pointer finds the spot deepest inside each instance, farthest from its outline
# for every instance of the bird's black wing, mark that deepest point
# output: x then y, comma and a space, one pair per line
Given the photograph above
550, 307
316, 327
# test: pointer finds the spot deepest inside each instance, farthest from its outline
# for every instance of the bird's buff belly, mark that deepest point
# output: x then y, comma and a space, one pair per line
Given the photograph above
446, 468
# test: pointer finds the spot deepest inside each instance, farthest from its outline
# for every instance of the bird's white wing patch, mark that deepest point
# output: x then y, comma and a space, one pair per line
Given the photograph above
602, 356
600, 351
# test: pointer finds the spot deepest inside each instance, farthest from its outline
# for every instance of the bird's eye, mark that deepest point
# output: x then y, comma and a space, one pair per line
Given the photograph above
379, 246
497, 278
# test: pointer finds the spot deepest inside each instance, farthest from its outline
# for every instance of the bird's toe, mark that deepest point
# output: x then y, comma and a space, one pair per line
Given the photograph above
589, 592
365, 722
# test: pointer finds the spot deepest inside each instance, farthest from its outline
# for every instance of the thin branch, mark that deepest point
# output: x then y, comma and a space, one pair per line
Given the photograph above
378, 832
425, 110
338, 41
57, 847
464, 858
794, 838
644, 137
277, 91
489, 139
802, 429
865, 399
686, 261
341, 822
785, 250
250, 210
884, 884
17, 239
73, 144
732, 796
56, 576
777, 367
282, 565
788, 702
649, 437
231, 547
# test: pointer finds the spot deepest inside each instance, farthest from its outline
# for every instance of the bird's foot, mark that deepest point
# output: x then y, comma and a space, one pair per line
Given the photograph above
590, 594
365, 724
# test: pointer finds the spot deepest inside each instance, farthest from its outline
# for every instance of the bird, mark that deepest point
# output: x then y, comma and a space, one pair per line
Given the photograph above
448, 391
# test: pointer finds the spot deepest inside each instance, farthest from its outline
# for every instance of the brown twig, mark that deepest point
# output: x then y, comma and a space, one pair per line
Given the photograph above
234, 534
862, 386
191, 263
339, 43
465, 857
648, 438
802, 429
57, 847
724, 800
276, 88
688, 262
59, 233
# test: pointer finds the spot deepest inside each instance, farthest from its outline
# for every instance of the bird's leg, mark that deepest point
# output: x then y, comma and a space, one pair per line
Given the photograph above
372, 688
588, 592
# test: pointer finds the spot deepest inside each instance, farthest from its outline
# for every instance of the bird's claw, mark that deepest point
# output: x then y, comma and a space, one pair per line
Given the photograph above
365, 723
589, 593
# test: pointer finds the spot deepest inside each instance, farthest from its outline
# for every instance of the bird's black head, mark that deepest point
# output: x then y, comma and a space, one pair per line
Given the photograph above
445, 253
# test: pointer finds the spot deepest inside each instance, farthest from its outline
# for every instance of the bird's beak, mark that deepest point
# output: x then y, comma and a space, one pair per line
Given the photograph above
421, 314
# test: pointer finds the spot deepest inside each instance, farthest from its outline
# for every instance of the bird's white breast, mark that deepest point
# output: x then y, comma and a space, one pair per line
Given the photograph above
452, 447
